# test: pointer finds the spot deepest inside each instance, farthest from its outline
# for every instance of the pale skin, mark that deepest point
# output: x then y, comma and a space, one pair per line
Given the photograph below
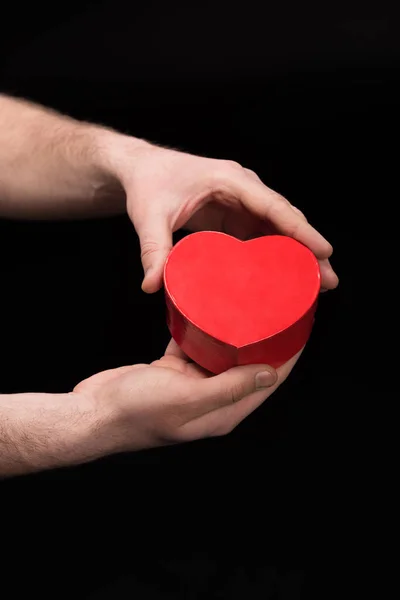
54, 167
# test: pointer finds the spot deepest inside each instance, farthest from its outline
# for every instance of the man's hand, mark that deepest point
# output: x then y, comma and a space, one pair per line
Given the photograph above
169, 190
55, 167
172, 400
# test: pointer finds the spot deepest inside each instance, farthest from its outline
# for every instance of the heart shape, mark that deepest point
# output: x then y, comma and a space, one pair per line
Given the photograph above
232, 302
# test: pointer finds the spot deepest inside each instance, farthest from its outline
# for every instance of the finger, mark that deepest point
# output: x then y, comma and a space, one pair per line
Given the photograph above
298, 211
225, 419
174, 353
155, 242
235, 414
174, 350
329, 279
267, 204
230, 387
252, 174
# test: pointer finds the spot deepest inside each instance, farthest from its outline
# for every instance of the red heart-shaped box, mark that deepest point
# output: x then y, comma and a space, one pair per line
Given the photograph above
234, 303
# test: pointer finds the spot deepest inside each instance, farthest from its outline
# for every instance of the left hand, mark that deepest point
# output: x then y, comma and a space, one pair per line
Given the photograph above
173, 400
169, 190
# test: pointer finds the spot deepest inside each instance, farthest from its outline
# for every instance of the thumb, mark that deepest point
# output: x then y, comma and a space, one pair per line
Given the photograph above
233, 385
155, 243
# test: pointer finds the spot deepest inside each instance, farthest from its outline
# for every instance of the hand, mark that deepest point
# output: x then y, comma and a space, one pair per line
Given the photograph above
169, 190
172, 400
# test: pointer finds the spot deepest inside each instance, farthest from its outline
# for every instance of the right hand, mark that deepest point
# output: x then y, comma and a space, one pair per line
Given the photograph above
172, 400
168, 190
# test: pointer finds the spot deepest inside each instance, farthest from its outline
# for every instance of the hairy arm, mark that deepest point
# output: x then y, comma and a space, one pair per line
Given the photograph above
43, 431
52, 166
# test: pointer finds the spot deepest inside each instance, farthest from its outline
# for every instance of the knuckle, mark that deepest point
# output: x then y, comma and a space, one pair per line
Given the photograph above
148, 248
225, 169
299, 212
232, 164
280, 212
156, 363
293, 229
277, 197
252, 174
236, 392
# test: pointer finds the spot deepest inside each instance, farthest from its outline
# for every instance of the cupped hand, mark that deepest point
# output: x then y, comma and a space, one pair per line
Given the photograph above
173, 400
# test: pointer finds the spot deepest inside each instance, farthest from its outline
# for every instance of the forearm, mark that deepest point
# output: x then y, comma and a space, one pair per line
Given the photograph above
43, 431
53, 166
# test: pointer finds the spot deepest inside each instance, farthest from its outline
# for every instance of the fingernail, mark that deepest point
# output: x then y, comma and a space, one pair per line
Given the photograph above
265, 379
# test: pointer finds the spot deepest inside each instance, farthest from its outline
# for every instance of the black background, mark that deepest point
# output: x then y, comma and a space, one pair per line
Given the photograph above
296, 502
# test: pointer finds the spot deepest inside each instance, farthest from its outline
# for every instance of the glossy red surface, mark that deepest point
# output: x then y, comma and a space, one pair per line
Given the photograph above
231, 302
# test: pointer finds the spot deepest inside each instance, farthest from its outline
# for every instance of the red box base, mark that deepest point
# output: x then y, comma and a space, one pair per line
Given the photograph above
233, 303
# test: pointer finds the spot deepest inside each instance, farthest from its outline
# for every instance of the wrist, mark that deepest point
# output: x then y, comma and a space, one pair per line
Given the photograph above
117, 155
97, 433
44, 431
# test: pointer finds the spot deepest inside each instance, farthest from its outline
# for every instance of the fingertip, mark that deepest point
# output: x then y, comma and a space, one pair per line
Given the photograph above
151, 283
329, 279
265, 378
146, 288
329, 285
334, 281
